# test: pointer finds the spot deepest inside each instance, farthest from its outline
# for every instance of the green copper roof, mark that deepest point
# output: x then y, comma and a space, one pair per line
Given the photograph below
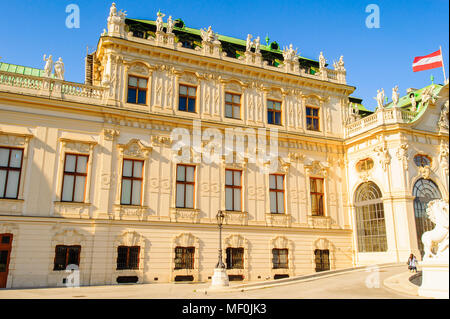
221, 37
19, 69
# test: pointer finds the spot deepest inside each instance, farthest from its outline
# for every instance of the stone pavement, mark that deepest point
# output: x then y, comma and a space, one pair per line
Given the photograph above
340, 285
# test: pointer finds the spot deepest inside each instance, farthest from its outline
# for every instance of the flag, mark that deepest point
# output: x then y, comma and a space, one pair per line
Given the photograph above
427, 62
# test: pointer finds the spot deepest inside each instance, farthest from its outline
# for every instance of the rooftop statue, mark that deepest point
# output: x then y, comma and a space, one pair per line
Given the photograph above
380, 98
59, 69
395, 95
208, 35
437, 212
169, 24
339, 66
412, 97
427, 95
48, 66
249, 43
159, 21
289, 54
116, 20
257, 45
322, 61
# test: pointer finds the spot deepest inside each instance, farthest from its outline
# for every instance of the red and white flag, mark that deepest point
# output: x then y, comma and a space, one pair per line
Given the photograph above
430, 61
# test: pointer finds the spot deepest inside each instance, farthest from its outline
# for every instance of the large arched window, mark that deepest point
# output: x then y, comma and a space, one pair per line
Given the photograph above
424, 191
370, 224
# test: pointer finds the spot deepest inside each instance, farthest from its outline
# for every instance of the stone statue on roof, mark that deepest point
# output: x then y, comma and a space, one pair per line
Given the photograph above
322, 61
249, 43
380, 98
427, 95
116, 21
59, 69
395, 95
209, 36
289, 53
257, 45
412, 98
159, 21
169, 24
48, 65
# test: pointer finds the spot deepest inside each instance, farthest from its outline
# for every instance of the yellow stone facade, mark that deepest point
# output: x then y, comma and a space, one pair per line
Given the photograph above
48, 118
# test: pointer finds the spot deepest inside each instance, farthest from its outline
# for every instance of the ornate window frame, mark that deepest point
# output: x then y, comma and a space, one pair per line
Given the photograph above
74, 209
22, 141
282, 242
314, 101
133, 150
317, 170
323, 244
185, 240
139, 69
128, 238
238, 241
67, 237
10, 228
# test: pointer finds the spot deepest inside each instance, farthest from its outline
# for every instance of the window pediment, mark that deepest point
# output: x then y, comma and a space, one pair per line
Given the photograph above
135, 148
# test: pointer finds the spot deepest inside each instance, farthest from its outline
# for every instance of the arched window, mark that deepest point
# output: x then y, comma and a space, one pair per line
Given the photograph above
370, 223
424, 191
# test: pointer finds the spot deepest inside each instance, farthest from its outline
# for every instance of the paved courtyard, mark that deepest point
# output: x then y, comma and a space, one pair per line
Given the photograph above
347, 286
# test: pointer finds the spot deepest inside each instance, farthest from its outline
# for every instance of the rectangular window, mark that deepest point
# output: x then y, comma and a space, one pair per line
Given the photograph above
128, 257
235, 258
184, 257
233, 190
66, 255
312, 118
322, 259
187, 95
280, 258
137, 90
185, 186
316, 185
233, 105
132, 182
276, 192
10, 169
74, 179
274, 112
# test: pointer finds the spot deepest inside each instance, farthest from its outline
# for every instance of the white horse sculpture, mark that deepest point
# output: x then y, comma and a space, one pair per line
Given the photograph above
437, 211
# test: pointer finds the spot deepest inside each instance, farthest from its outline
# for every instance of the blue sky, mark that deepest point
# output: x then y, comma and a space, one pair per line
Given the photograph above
374, 58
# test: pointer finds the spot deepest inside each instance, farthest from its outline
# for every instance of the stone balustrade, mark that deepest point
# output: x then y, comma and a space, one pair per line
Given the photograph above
51, 87
381, 117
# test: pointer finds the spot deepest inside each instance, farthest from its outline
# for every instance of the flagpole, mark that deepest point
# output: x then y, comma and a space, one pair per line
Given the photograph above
443, 68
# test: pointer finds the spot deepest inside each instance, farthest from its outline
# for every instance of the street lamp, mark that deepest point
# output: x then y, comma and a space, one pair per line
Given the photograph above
220, 277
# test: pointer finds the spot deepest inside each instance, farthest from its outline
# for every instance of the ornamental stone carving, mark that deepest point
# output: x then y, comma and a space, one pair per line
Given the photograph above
110, 134
383, 156
12, 207
425, 171
129, 212
72, 210
402, 154
187, 215
116, 22
158, 140
236, 218
316, 168
323, 222
437, 212
278, 220
134, 148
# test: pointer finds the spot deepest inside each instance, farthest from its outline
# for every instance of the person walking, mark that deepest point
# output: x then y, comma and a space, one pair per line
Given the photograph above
412, 263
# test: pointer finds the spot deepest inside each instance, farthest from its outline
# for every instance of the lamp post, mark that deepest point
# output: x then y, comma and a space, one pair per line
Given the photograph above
220, 277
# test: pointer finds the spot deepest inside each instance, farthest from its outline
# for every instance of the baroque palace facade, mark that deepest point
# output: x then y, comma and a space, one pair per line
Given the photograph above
89, 176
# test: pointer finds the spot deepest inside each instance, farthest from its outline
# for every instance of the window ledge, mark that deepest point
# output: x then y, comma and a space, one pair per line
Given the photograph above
189, 215
10, 206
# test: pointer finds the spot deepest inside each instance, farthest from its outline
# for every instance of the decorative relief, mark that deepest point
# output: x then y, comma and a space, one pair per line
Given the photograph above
189, 78
316, 168
105, 180
312, 100
296, 157
129, 212
443, 156
383, 156
11, 206
110, 134
67, 236
319, 221
187, 215
7, 139
282, 220
158, 140
72, 209
134, 148
139, 68
402, 155
236, 218
425, 171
